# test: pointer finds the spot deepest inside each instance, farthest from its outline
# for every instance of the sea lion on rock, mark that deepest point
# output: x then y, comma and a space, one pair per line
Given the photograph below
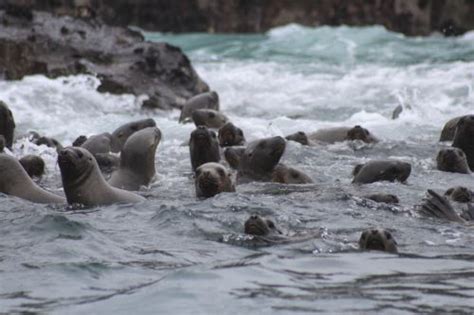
230, 135
83, 182
211, 179
386, 198
378, 239
121, 134
381, 170
203, 147
256, 225
7, 124
289, 175
208, 100
452, 160
16, 182
449, 129
459, 194
101, 143
260, 158
137, 160
299, 137
34, 165
233, 155
464, 138
339, 134
209, 118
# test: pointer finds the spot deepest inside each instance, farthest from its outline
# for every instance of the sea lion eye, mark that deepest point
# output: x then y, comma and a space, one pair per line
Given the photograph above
388, 235
80, 154
294, 174
221, 172
254, 217
212, 115
213, 134
240, 133
270, 224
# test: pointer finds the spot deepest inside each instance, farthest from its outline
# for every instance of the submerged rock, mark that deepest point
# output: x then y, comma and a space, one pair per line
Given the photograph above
40, 43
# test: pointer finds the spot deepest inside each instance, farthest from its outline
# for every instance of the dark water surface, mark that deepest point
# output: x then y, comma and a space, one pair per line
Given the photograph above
174, 254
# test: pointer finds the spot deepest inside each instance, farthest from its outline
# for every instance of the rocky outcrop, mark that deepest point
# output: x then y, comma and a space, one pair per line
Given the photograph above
411, 17
40, 43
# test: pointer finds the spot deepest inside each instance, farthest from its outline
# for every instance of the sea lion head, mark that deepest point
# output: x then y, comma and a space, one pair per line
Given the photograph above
452, 160
230, 135
209, 118
203, 147
378, 239
288, 175
359, 133
211, 179
381, 170
122, 133
138, 152
7, 124
256, 225
299, 137
459, 194
261, 156
76, 164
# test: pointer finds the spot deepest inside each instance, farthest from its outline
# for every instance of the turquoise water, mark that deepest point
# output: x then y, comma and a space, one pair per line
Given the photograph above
176, 254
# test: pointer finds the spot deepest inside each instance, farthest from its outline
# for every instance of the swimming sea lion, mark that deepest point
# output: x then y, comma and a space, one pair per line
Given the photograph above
380, 170
260, 158
233, 155
256, 225
101, 143
230, 135
463, 138
209, 118
449, 129
452, 160
208, 100
338, 134
299, 137
34, 165
83, 182
459, 194
378, 239
211, 179
289, 175
386, 198
7, 124
137, 160
121, 134
203, 147
16, 182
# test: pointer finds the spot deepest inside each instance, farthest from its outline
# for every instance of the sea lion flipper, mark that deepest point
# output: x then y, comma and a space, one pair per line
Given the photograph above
439, 207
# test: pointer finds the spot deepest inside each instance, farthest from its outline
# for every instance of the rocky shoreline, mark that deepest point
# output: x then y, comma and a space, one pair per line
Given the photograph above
33, 42
410, 17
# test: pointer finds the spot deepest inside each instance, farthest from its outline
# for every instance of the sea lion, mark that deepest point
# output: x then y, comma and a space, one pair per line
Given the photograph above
437, 206
209, 118
449, 129
386, 198
203, 147
208, 100
378, 239
16, 182
463, 138
299, 137
7, 124
137, 160
121, 134
452, 160
211, 179
79, 141
34, 165
233, 155
107, 162
256, 225
380, 170
37, 139
101, 143
230, 135
289, 175
83, 182
338, 134
459, 194
260, 158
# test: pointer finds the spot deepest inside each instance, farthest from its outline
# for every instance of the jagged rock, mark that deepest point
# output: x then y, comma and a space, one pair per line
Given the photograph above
40, 43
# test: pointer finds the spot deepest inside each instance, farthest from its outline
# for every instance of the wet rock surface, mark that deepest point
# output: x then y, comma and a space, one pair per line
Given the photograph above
40, 43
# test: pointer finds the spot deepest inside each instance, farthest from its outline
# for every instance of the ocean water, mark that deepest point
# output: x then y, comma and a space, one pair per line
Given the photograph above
175, 254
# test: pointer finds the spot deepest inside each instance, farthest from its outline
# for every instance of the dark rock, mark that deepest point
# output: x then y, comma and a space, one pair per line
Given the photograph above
121, 59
